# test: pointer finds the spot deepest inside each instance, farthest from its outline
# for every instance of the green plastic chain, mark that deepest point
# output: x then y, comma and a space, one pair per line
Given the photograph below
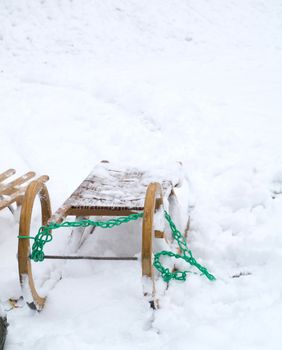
44, 236
44, 233
187, 256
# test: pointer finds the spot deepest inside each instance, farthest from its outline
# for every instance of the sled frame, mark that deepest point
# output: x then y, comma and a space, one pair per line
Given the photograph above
152, 202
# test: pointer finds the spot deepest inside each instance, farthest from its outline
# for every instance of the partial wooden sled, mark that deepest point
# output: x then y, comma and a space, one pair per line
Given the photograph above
107, 191
13, 191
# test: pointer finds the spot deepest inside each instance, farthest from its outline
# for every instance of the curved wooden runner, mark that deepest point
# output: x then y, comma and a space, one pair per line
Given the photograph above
153, 200
25, 271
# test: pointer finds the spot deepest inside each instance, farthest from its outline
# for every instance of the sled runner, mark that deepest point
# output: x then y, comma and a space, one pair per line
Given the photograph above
128, 194
13, 191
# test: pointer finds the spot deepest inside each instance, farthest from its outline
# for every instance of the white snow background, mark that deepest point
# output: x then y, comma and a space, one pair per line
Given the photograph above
154, 82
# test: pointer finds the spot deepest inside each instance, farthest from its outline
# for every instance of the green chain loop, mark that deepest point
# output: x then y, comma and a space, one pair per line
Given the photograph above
187, 256
44, 236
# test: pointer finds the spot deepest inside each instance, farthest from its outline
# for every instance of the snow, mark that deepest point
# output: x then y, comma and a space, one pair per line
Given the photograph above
144, 85
108, 185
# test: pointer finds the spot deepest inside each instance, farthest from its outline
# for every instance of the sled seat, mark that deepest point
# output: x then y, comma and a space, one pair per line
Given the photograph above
14, 190
112, 191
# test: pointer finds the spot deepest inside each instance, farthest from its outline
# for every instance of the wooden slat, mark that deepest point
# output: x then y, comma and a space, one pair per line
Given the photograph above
93, 211
9, 188
6, 201
12, 194
65, 211
7, 174
43, 178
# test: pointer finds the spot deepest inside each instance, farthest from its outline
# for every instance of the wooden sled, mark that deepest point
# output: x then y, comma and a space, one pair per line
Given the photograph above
13, 191
107, 191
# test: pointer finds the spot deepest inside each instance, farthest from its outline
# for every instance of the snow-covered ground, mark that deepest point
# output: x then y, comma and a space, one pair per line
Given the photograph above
139, 83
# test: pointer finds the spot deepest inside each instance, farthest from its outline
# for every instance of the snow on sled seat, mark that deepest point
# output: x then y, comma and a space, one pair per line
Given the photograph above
112, 191
14, 190
108, 190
